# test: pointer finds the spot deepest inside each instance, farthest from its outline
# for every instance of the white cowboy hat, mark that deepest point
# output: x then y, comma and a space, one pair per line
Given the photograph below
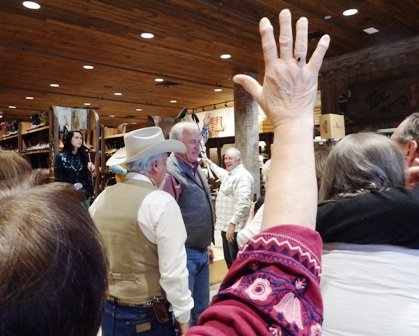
143, 143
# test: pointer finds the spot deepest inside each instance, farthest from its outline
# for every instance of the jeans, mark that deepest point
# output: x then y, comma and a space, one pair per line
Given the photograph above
198, 268
230, 249
125, 321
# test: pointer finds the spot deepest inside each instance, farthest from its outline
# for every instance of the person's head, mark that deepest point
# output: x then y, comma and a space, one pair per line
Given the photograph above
232, 158
406, 136
189, 134
154, 167
13, 166
145, 152
73, 141
56, 275
360, 163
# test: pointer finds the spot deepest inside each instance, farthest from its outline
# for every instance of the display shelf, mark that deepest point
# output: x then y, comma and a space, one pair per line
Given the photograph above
10, 142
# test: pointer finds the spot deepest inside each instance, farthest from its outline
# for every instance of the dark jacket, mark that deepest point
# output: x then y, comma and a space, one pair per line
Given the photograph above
386, 217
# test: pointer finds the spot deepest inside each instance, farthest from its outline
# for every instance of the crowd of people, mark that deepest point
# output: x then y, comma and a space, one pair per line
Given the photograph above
136, 262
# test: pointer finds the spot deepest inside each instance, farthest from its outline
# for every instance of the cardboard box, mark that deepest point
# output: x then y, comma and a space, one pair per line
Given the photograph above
332, 126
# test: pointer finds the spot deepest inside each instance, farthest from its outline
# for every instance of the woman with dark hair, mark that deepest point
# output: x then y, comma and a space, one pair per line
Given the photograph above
73, 166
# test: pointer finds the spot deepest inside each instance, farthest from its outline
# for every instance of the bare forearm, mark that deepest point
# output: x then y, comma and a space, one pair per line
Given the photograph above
284, 191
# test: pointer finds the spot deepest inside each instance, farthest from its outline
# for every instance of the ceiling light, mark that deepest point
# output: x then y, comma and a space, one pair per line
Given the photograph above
371, 30
218, 89
159, 80
225, 56
138, 110
173, 101
88, 67
147, 35
133, 123
12, 107
118, 94
112, 115
86, 104
54, 85
350, 12
29, 98
31, 5
327, 17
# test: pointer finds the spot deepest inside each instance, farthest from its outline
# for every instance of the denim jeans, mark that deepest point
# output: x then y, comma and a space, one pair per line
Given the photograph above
125, 321
198, 267
230, 249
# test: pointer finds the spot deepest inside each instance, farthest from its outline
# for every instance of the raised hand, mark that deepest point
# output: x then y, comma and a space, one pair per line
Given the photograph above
290, 84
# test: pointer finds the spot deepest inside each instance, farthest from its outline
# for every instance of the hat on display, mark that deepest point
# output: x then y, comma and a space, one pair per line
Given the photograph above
142, 143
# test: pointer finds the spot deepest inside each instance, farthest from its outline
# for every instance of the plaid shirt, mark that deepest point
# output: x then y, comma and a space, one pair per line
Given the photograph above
234, 197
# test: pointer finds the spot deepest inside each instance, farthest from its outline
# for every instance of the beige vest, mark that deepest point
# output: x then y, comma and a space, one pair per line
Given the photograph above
134, 269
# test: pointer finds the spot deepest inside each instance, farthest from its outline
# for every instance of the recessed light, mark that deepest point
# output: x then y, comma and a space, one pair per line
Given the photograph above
88, 67
225, 56
159, 80
218, 89
12, 107
29, 98
371, 30
118, 94
138, 110
350, 12
147, 35
87, 104
31, 4
328, 17
112, 115
54, 85
173, 101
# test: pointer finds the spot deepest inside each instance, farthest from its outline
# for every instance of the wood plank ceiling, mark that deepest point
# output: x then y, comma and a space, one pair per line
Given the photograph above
51, 44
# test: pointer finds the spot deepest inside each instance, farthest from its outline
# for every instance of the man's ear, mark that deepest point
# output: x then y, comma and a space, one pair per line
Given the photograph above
412, 152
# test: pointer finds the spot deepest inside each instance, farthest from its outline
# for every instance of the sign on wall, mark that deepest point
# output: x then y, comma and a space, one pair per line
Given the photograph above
382, 100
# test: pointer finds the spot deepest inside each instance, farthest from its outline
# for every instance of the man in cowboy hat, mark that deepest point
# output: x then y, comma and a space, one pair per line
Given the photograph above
145, 238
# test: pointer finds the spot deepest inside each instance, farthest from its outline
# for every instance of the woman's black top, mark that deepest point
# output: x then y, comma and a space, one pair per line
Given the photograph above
377, 217
72, 168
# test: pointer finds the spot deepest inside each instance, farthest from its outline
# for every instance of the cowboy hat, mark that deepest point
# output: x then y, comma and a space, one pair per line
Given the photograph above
142, 143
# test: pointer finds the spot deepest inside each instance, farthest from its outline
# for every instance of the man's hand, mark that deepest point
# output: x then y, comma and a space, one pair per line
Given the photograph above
210, 254
207, 119
413, 171
183, 328
230, 232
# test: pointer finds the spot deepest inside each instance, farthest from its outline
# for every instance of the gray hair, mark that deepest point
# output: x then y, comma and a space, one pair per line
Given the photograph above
234, 152
144, 166
411, 129
177, 130
360, 163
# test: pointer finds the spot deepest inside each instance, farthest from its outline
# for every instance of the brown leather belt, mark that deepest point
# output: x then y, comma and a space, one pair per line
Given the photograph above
147, 304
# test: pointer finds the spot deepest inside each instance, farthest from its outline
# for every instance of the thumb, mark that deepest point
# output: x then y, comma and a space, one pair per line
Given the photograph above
250, 85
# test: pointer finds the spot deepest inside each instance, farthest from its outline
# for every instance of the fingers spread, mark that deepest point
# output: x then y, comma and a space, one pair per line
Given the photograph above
318, 55
270, 53
285, 35
300, 49
250, 85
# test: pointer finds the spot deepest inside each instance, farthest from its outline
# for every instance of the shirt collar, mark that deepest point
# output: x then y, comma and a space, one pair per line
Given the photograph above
235, 169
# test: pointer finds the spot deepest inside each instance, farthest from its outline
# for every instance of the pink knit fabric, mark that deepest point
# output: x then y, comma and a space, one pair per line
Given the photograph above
271, 289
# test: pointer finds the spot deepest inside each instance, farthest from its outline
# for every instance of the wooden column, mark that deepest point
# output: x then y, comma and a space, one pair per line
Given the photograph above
247, 131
